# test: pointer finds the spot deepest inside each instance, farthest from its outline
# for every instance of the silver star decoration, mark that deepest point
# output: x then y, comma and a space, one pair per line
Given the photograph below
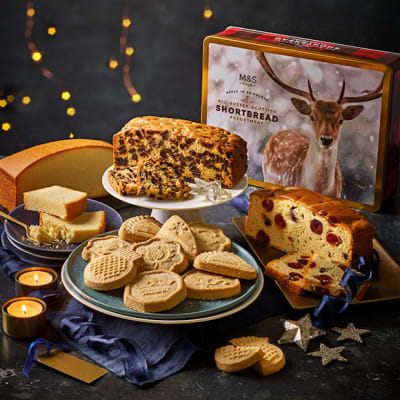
211, 190
350, 332
328, 354
300, 332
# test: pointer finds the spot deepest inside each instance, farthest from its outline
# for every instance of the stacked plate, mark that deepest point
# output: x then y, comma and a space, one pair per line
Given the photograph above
14, 236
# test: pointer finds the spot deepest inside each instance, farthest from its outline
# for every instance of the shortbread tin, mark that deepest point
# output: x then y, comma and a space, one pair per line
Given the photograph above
319, 115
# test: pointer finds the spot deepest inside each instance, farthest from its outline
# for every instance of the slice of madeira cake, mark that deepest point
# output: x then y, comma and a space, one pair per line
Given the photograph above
56, 200
76, 230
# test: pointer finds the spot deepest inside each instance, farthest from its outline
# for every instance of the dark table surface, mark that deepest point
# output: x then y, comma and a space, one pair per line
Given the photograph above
373, 370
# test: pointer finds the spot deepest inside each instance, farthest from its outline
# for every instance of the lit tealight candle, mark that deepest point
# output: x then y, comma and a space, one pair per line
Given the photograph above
36, 278
24, 317
25, 308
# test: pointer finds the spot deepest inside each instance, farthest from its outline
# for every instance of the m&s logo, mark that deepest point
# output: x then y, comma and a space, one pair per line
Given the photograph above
247, 78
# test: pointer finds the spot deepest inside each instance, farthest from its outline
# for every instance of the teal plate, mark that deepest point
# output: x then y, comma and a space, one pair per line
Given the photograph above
190, 310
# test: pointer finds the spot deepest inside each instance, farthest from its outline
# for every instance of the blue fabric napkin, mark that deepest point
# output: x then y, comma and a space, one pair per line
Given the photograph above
163, 349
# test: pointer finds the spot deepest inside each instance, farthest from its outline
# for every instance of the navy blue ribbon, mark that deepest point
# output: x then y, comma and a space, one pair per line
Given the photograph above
331, 307
77, 329
241, 203
32, 351
50, 297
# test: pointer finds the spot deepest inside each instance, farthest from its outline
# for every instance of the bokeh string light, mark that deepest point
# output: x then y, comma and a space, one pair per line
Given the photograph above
126, 53
37, 57
207, 12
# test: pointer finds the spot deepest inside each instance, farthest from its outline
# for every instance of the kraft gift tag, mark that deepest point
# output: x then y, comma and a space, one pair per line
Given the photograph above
72, 366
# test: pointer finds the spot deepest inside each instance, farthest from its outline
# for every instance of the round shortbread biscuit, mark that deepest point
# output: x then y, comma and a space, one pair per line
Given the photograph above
106, 245
109, 272
139, 228
273, 359
225, 263
236, 358
177, 230
160, 254
155, 291
207, 286
209, 237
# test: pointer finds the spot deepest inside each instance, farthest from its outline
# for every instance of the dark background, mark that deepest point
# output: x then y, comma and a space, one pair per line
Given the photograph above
166, 66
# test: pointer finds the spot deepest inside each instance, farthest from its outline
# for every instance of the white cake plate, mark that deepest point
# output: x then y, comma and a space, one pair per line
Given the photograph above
187, 209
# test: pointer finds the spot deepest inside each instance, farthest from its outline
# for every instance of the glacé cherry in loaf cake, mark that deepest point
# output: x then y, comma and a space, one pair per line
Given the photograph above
297, 219
310, 275
202, 151
289, 271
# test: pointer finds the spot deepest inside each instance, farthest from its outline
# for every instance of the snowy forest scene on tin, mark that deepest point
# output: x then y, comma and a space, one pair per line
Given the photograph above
333, 125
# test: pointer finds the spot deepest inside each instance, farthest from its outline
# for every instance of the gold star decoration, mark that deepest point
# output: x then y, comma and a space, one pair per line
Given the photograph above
350, 332
328, 354
300, 332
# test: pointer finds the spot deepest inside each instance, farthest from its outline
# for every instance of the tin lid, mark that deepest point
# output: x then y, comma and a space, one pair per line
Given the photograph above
383, 57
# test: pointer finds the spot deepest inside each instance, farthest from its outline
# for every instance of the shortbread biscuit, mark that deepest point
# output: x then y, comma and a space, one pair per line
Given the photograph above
109, 272
273, 359
160, 254
209, 237
177, 230
106, 245
225, 263
155, 291
236, 358
139, 228
206, 286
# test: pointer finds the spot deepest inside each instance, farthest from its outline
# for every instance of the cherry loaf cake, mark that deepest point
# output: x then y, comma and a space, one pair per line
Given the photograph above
296, 219
202, 151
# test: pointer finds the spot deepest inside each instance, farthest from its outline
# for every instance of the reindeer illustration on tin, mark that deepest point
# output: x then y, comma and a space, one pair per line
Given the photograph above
292, 158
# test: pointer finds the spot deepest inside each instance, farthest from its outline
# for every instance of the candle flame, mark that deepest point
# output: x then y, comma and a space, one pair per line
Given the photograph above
36, 278
24, 309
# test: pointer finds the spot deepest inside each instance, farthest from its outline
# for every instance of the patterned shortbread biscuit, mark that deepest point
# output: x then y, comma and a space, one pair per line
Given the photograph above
109, 272
225, 263
273, 359
160, 254
106, 245
209, 237
236, 358
155, 291
177, 230
139, 228
206, 286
